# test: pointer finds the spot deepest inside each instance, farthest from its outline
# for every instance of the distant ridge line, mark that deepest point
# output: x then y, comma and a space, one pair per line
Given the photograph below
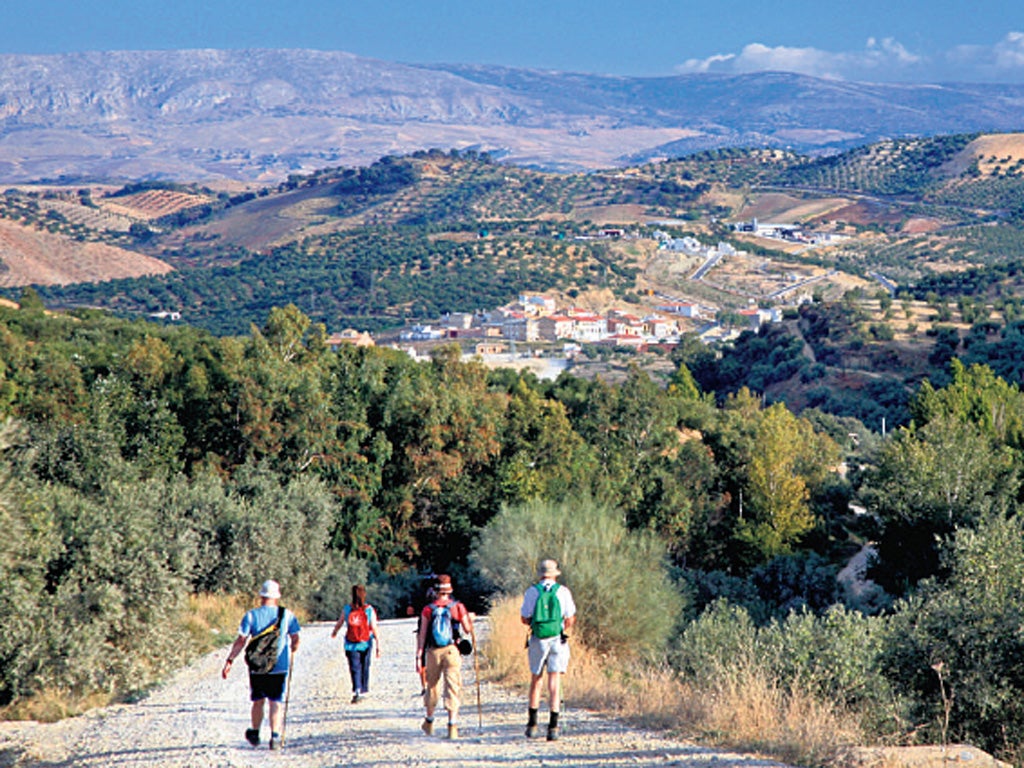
257, 115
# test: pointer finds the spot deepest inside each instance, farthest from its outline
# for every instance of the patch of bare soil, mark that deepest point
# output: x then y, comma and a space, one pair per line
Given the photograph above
921, 225
867, 212
993, 152
34, 257
783, 208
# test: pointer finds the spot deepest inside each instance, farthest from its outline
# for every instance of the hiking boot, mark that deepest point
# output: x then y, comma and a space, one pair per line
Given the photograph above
427, 727
531, 731
453, 731
252, 735
552, 733
275, 741
355, 699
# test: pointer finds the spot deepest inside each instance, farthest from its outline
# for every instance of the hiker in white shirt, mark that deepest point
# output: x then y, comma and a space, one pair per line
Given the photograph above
548, 609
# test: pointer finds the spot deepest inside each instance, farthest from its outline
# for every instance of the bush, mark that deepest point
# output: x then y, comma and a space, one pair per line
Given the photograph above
618, 578
274, 531
831, 658
105, 571
961, 637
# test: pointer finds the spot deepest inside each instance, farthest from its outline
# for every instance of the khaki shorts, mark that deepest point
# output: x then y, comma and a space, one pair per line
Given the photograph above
444, 679
550, 653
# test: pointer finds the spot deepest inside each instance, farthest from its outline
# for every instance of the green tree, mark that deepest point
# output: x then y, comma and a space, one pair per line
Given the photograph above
541, 455
777, 512
963, 633
928, 482
975, 396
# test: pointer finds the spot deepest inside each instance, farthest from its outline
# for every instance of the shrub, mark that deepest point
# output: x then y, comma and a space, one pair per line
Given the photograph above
618, 577
968, 627
274, 531
106, 573
757, 696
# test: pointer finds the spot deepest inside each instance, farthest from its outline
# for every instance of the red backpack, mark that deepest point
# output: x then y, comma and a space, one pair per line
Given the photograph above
358, 625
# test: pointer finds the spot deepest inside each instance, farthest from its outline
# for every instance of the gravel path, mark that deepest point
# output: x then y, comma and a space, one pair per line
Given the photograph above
197, 720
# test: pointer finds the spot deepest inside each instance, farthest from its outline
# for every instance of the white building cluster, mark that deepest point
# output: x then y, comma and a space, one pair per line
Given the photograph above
535, 318
691, 246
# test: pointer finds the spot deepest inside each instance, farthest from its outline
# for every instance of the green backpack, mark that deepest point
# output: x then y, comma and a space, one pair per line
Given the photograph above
547, 613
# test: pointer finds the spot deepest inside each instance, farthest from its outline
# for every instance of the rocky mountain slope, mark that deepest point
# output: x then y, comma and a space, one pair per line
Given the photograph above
261, 114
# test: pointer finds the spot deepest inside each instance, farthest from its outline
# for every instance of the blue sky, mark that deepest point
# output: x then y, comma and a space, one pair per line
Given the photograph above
891, 40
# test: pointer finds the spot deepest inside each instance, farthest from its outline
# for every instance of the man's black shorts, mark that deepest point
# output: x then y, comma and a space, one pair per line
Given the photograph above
266, 687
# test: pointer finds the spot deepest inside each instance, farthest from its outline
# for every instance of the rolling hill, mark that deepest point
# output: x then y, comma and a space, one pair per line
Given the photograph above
411, 237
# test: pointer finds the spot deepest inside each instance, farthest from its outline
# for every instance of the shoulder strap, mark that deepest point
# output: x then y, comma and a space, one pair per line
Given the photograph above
275, 625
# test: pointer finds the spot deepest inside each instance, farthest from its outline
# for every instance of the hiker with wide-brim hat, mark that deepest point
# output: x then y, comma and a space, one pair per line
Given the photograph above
274, 626
550, 613
443, 622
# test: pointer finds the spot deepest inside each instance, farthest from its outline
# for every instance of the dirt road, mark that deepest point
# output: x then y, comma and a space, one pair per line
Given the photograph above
198, 720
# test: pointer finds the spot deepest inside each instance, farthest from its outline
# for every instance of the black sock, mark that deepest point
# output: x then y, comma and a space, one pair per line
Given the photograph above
553, 720
531, 716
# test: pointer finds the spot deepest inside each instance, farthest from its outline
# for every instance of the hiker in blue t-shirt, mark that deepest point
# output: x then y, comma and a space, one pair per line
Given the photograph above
549, 611
270, 686
360, 621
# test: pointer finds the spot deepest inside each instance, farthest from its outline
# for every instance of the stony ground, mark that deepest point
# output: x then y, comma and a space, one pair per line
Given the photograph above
198, 719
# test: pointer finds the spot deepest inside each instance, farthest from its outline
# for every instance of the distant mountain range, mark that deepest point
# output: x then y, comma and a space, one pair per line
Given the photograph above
259, 115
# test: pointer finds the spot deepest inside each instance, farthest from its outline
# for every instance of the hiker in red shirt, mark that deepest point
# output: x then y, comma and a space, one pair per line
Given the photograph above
442, 623
360, 622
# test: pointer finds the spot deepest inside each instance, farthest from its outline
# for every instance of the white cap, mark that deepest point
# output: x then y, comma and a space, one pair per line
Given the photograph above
271, 589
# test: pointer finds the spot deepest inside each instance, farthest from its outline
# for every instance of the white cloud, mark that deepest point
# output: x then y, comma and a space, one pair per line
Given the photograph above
1002, 62
881, 59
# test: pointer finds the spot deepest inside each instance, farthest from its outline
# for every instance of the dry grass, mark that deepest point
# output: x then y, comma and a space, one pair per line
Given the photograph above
53, 704
212, 620
745, 710
993, 151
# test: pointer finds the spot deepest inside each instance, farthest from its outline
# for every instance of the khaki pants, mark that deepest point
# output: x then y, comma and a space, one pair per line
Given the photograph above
444, 665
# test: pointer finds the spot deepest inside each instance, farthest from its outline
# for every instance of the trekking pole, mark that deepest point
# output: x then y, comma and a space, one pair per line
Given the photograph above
476, 672
287, 695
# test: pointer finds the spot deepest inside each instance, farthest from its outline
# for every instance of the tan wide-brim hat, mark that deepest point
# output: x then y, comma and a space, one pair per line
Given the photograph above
548, 569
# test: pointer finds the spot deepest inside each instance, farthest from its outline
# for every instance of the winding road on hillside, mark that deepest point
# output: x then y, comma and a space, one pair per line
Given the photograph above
197, 720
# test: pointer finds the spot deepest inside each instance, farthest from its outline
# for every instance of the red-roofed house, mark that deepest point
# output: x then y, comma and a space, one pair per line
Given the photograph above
555, 327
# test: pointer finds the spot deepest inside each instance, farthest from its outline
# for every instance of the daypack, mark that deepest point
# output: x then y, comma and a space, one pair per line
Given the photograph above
547, 613
442, 630
358, 626
261, 652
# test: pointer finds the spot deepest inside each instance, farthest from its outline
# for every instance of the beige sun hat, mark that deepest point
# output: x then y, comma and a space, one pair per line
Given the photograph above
548, 569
